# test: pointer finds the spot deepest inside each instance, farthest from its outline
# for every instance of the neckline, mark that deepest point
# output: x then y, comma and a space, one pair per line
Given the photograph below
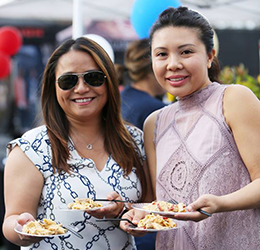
197, 97
76, 156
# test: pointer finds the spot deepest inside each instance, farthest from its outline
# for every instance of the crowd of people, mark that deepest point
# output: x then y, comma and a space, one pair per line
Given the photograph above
201, 150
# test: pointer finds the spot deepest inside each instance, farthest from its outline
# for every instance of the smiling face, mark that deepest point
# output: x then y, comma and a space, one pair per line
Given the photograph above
180, 60
83, 102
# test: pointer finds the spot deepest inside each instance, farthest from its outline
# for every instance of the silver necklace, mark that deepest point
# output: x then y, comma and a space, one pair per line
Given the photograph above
89, 146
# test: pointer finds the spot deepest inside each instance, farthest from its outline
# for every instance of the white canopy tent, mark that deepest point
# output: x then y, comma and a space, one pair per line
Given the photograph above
241, 14
222, 14
234, 14
65, 10
62, 10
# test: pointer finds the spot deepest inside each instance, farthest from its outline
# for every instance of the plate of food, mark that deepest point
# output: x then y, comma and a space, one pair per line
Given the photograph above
44, 228
84, 204
161, 207
155, 222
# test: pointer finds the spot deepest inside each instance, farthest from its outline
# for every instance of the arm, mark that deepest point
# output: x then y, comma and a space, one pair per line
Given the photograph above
242, 113
22, 189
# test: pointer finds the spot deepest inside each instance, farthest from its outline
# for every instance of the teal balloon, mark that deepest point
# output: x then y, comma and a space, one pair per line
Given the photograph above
145, 13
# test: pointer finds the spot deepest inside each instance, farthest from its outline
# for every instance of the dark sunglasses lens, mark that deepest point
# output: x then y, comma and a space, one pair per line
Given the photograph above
94, 79
67, 81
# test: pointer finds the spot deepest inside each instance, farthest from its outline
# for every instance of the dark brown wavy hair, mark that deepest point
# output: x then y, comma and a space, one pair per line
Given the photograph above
184, 17
118, 141
138, 60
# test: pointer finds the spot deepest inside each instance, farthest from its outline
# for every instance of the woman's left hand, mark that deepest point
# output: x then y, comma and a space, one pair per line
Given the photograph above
111, 211
208, 203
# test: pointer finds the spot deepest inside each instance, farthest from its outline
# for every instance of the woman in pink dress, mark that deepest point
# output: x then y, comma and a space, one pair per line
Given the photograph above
202, 150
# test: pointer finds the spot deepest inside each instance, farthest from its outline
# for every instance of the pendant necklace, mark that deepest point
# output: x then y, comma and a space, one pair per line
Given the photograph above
89, 146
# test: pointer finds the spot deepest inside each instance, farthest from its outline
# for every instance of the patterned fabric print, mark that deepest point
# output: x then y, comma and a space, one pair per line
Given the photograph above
178, 185
202, 158
83, 181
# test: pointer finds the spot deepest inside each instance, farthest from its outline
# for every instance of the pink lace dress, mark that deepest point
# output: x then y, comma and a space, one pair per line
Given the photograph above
196, 155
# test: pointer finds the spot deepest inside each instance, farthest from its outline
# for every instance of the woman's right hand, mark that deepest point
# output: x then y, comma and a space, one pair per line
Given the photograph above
19, 177
23, 219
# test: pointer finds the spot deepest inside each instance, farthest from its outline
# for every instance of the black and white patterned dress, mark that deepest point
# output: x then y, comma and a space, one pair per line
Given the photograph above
83, 181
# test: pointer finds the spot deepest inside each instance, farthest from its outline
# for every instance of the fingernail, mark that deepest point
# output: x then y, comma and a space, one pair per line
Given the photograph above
189, 208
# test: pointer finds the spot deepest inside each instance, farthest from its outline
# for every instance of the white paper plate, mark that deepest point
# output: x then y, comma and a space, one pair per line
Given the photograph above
179, 224
18, 230
65, 208
139, 206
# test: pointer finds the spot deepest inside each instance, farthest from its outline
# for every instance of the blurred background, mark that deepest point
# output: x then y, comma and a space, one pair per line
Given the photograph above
31, 29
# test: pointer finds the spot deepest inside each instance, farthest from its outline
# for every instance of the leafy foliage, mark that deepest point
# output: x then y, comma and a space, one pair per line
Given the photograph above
239, 75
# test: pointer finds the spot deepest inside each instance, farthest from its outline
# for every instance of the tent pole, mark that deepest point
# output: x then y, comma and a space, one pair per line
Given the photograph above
77, 19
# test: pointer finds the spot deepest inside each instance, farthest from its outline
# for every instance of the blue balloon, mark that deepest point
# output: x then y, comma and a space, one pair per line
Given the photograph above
145, 13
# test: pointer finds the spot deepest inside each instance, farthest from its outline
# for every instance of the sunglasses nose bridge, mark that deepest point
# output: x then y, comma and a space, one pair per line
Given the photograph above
82, 76
81, 81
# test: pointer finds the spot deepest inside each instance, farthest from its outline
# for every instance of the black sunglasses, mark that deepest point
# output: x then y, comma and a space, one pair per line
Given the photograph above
93, 78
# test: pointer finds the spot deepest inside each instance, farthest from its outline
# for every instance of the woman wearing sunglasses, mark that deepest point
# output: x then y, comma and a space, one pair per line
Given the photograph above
83, 150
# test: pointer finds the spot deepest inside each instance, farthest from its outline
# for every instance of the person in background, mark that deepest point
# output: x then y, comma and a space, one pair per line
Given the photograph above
139, 99
202, 150
120, 71
83, 150
21, 101
33, 96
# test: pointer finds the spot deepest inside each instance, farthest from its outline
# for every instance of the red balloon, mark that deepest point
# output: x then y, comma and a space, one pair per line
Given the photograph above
10, 40
5, 65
